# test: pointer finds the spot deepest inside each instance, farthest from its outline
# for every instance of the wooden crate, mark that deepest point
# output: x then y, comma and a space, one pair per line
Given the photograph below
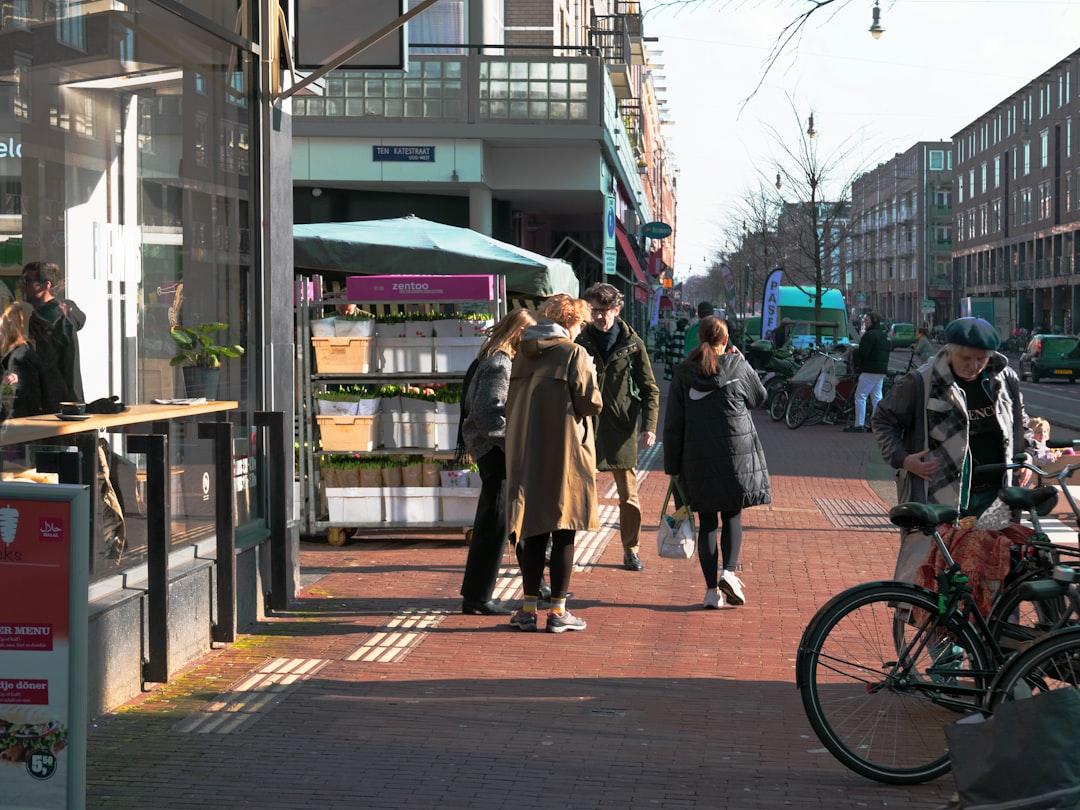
347, 433
342, 355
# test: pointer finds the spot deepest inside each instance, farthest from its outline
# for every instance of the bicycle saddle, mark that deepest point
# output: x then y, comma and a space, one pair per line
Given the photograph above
921, 515
1040, 500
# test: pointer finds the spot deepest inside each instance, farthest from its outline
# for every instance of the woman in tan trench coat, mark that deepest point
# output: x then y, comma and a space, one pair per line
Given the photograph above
550, 454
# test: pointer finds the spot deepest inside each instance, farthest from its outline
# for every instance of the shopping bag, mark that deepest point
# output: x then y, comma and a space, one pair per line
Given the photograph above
825, 387
675, 536
1025, 756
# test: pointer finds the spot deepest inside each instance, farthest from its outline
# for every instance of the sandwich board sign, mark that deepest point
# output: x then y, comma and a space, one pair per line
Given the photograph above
44, 550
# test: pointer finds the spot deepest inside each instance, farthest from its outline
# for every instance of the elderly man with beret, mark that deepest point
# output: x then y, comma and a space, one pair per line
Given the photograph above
939, 423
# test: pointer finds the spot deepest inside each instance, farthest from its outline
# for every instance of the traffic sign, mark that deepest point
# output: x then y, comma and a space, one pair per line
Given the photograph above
928, 305
656, 230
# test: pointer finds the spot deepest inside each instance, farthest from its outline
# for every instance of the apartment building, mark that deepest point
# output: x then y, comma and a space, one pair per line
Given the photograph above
544, 133
901, 236
1017, 214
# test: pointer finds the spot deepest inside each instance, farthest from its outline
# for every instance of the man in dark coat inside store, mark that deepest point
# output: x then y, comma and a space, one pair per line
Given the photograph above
631, 398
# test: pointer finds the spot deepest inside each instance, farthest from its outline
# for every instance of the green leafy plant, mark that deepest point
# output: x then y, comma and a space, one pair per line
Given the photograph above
196, 346
359, 315
448, 393
340, 395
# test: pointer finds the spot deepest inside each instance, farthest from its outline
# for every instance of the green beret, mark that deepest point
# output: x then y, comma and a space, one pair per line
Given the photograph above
973, 332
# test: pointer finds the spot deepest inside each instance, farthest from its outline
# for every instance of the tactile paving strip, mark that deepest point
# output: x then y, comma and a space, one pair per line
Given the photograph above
251, 697
864, 516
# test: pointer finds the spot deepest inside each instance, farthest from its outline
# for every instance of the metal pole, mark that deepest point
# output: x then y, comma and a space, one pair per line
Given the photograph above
220, 433
277, 499
156, 449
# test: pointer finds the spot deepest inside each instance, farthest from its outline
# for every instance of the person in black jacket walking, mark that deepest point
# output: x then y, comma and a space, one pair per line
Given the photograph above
710, 442
872, 361
20, 366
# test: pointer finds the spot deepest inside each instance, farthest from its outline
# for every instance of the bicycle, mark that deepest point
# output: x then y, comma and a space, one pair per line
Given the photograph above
929, 656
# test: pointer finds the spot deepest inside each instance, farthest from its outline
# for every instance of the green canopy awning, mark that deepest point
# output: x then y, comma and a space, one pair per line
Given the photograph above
413, 245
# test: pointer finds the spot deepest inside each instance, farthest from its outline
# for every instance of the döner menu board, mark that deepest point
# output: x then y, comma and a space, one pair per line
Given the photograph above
43, 572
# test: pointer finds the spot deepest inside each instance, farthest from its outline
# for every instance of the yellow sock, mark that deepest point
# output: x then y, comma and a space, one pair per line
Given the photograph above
529, 605
558, 605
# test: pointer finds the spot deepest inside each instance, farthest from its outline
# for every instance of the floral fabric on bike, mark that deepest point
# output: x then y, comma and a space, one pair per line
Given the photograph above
983, 554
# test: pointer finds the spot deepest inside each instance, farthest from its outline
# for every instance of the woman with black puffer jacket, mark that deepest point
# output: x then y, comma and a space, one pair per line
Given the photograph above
711, 444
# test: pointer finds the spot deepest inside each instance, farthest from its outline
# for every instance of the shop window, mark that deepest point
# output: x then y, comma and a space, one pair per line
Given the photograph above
143, 198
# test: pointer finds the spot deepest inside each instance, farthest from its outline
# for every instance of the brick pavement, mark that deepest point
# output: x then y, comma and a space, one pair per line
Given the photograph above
657, 704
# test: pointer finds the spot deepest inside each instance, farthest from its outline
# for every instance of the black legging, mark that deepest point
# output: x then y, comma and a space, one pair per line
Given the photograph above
489, 530
730, 541
562, 562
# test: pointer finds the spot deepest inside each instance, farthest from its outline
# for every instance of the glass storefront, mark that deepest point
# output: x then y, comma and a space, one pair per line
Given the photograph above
126, 157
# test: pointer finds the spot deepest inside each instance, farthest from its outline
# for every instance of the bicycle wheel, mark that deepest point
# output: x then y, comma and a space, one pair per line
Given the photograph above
1016, 621
778, 404
880, 677
796, 412
1051, 663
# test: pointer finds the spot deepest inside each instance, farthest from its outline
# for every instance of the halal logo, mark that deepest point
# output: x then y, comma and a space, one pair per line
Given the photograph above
206, 485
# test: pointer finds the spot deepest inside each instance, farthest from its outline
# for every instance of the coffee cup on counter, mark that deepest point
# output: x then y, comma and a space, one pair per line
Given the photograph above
73, 408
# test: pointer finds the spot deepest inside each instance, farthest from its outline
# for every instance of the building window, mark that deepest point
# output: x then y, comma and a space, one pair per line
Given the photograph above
995, 215
1068, 191
1044, 148
1027, 158
70, 24
960, 189
948, 161
984, 220
1068, 137
937, 160
997, 172
1046, 197
982, 170
971, 183
1014, 163
941, 199
1025, 206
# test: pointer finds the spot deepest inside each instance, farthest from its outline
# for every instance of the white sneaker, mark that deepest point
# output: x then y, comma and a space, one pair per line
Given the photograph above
714, 600
732, 587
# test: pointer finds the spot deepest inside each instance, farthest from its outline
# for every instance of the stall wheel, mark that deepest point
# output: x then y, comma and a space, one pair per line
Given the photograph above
337, 536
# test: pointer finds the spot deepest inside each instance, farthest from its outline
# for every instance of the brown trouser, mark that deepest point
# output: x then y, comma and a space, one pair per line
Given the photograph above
629, 508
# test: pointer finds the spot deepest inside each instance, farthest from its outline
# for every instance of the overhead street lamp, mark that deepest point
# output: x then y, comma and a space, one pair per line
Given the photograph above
810, 131
876, 29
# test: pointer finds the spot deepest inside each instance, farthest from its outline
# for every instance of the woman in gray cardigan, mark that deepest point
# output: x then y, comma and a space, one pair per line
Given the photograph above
483, 430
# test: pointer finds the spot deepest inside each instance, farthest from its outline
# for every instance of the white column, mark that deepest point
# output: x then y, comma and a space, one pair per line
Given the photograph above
480, 209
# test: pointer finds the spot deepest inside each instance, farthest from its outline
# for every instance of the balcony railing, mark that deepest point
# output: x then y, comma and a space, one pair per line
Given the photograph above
465, 89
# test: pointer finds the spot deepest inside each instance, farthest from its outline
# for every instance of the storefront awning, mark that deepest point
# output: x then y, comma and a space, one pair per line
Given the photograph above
631, 257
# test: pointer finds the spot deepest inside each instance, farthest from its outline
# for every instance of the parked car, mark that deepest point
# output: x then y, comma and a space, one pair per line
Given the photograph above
901, 335
1051, 356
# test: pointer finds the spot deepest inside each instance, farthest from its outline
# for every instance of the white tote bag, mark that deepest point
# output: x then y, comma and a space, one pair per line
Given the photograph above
825, 387
675, 536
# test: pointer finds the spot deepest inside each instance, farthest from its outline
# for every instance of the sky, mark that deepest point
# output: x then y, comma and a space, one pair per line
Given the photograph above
939, 66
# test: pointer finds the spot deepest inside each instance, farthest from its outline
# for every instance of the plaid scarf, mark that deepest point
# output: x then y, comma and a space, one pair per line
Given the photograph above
946, 435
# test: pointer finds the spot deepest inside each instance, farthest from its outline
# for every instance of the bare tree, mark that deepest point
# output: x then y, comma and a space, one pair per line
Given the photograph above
814, 195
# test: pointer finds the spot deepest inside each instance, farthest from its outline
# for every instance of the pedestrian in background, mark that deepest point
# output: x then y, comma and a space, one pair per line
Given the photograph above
872, 360
20, 366
631, 397
690, 341
711, 443
483, 431
921, 350
675, 352
550, 455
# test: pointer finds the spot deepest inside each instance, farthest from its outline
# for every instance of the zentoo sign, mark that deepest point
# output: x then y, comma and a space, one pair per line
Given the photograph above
419, 288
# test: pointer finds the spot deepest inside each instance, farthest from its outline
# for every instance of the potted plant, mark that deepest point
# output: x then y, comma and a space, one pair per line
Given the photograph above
356, 324
200, 356
341, 402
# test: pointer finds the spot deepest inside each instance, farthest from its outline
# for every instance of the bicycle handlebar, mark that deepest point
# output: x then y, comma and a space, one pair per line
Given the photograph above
1001, 469
1063, 444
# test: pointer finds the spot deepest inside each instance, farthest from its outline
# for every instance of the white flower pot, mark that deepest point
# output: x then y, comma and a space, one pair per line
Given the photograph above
476, 328
447, 328
418, 329
367, 407
459, 505
411, 405
347, 328
455, 354
323, 327
411, 504
389, 330
454, 479
405, 355
355, 504
329, 407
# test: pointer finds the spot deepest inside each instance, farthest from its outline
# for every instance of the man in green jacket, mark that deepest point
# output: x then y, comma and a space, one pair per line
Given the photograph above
630, 396
690, 342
